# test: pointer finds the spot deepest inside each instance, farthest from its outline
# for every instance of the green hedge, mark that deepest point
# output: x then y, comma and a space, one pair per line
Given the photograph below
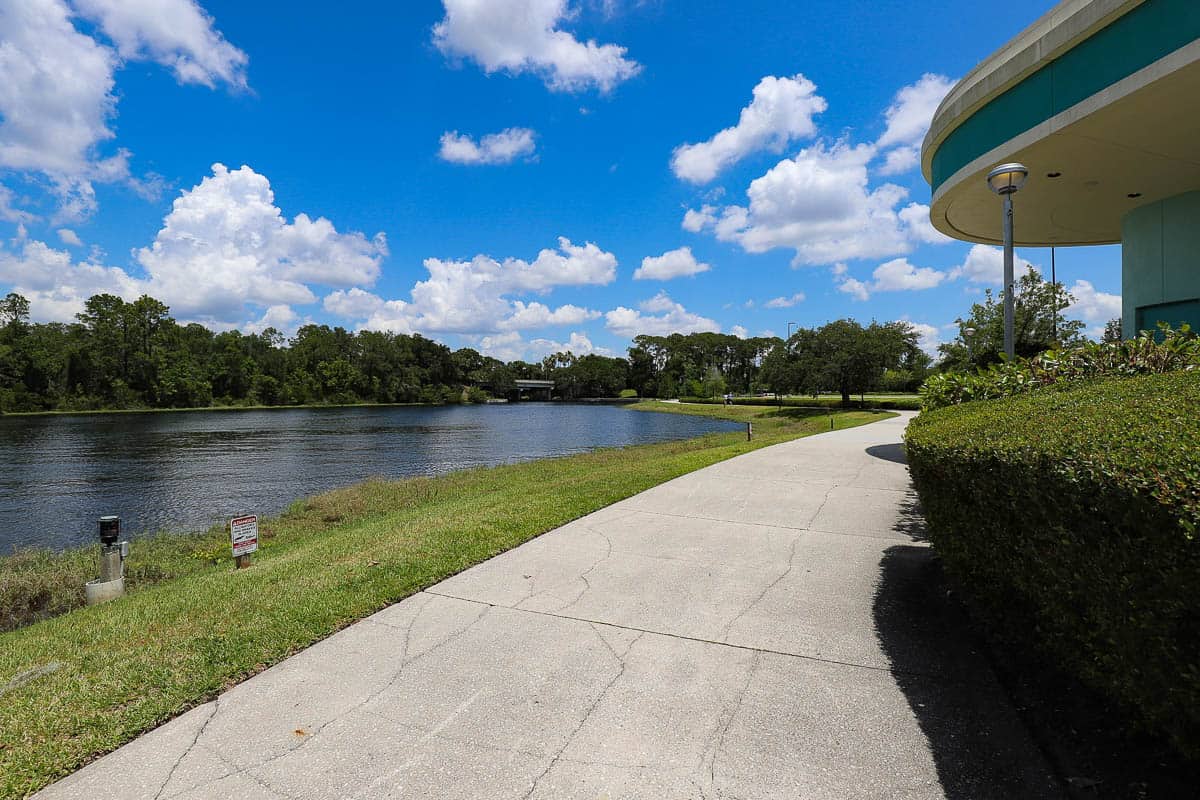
828, 401
1072, 517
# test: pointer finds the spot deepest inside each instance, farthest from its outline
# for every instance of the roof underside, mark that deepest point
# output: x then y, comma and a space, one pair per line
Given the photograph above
1115, 110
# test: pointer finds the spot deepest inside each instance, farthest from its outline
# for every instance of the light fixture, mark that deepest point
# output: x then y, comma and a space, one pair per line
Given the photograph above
1007, 178
1053, 174
1133, 195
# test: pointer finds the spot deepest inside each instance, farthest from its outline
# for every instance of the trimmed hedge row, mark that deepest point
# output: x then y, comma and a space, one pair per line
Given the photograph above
830, 401
1072, 517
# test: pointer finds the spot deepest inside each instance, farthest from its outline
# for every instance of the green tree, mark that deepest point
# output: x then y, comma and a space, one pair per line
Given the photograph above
1038, 313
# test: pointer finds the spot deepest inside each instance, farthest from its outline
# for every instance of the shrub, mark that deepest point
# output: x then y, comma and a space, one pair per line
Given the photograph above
1071, 516
1150, 353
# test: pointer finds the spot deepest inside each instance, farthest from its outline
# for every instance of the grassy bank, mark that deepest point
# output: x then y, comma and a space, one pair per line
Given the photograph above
78, 685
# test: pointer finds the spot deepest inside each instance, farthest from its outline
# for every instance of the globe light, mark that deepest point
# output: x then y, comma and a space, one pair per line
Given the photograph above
1007, 178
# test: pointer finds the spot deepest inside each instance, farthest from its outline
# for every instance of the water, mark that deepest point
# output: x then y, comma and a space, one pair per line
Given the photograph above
187, 471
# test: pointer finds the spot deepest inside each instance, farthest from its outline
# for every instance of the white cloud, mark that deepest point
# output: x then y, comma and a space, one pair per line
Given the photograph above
1092, 306
781, 111
819, 204
282, 318
479, 296
822, 203
354, 303
928, 337
178, 34
495, 148
56, 285
915, 219
739, 331
57, 95
658, 316
225, 244
9, 212
512, 346
671, 264
518, 36
900, 276
985, 264
896, 275
536, 315
855, 288
785, 302
908, 119
68, 236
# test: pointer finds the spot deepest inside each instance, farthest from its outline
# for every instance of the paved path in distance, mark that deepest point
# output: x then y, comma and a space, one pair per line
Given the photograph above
768, 627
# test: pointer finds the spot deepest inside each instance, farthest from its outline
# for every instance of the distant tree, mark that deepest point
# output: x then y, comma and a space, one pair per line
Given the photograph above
1112, 330
1038, 305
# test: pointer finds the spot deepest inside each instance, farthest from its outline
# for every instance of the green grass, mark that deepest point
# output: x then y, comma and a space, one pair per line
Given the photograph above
103, 675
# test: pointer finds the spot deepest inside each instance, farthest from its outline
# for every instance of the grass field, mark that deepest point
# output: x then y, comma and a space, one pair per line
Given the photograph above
78, 685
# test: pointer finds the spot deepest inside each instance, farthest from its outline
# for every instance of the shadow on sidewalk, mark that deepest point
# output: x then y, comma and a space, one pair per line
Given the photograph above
978, 743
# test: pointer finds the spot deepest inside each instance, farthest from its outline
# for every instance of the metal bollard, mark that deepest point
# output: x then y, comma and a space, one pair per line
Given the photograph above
111, 583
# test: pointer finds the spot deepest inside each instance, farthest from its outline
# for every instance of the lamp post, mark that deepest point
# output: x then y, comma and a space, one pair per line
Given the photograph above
790, 326
1005, 180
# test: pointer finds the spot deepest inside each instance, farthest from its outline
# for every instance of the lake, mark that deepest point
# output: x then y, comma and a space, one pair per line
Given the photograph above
185, 471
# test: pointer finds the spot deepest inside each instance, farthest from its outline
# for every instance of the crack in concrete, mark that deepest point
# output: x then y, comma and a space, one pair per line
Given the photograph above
942, 679
719, 748
587, 714
187, 750
583, 576
248, 770
791, 564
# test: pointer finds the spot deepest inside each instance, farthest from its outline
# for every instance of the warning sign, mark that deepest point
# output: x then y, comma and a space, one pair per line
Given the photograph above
243, 534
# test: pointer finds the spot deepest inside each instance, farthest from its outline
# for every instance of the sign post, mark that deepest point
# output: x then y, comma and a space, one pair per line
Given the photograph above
243, 536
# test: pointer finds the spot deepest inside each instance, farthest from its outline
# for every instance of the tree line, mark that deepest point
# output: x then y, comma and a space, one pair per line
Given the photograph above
121, 354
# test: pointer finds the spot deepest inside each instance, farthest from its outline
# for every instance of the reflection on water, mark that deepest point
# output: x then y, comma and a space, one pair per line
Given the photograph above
186, 471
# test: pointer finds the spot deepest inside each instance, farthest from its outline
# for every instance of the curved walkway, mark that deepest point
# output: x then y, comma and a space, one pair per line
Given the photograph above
768, 627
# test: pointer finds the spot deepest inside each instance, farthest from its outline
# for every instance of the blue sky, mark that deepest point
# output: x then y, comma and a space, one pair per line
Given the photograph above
515, 175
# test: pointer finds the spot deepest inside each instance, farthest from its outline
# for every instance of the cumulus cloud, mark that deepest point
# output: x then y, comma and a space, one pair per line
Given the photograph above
178, 34
915, 219
517, 36
9, 212
225, 243
671, 264
68, 236
56, 285
282, 318
528, 316
512, 346
928, 337
785, 302
822, 203
781, 111
495, 148
985, 264
57, 133
819, 204
480, 296
224, 246
658, 316
855, 288
908, 119
739, 331
1093, 307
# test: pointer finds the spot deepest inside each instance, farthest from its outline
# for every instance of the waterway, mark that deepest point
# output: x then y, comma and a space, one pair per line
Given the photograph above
186, 471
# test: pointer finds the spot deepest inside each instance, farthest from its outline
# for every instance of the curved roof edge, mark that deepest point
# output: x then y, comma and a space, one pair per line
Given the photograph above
1055, 32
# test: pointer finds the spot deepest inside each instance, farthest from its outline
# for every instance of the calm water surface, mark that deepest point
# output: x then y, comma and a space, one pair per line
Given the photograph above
186, 471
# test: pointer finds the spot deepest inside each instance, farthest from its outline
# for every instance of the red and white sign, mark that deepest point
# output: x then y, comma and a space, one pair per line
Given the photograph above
243, 534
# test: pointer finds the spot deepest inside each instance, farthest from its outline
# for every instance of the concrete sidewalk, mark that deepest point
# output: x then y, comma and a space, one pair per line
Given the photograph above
768, 627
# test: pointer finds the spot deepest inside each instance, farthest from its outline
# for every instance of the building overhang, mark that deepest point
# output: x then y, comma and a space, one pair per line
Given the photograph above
1103, 95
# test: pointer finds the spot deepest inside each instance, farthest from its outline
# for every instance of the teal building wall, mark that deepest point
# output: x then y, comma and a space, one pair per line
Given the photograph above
1160, 264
